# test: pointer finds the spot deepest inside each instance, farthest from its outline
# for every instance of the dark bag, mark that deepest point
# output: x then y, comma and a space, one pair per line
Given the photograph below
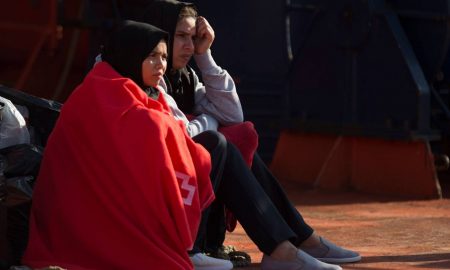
19, 167
22, 160
43, 112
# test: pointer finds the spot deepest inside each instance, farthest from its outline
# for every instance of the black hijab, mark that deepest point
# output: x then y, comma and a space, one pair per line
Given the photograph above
164, 14
129, 45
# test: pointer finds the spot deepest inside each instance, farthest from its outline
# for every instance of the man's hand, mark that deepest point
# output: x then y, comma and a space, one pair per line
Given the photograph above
204, 36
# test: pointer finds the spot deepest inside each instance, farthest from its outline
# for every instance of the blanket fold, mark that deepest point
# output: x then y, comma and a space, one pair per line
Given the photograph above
121, 185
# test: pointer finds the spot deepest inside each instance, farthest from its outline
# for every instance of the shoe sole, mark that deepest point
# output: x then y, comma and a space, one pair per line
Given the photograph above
340, 260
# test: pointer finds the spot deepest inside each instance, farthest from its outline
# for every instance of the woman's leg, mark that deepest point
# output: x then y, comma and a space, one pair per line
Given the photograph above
242, 193
308, 241
275, 192
215, 143
244, 196
216, 228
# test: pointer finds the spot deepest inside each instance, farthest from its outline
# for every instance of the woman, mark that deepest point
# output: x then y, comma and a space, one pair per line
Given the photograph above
253, 195
121, 185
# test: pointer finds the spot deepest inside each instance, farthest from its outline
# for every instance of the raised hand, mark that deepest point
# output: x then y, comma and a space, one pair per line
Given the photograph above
204, 36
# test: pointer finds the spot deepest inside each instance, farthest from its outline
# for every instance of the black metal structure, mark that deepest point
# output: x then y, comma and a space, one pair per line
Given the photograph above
350, 67
251, 44
367, 67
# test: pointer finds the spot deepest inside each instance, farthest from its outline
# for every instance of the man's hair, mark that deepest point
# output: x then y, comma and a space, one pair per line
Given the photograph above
187, 11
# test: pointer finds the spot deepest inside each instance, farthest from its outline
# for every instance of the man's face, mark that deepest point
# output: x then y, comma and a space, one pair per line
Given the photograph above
183, 43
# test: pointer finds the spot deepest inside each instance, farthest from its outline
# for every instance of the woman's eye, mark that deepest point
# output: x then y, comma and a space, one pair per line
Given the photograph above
184, 36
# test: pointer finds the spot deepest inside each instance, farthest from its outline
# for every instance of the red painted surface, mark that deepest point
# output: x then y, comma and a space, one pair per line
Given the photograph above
376, 166
26, 28
36, 49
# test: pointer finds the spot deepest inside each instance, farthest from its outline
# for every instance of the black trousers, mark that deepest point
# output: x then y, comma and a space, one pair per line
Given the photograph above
216, 145
254, 196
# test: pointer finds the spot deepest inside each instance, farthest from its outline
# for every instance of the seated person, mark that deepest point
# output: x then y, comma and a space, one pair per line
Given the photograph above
251, 193
121, 185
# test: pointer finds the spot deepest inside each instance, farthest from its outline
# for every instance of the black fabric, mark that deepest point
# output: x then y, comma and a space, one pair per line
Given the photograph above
43, 112
164, 14
22, 160
275, 192
181, 87
138, 38
19, 165
259, 203
15, 205
5, 252
216, 145
216, 229
254, 196
152, 93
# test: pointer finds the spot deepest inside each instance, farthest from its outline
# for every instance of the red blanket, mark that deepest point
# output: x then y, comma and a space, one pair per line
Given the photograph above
121, 184
244, 137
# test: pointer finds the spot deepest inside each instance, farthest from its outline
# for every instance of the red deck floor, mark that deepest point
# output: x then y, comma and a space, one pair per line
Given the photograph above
389, 234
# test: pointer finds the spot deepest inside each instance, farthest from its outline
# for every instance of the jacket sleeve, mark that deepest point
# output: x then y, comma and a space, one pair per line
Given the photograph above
195, 126
201, 123
217, 97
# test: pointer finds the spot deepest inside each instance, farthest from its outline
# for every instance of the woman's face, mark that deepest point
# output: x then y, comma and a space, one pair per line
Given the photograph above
183, 42
154, 66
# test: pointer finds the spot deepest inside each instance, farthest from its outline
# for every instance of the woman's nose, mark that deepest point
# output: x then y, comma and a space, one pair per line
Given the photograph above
160, 62
189, 44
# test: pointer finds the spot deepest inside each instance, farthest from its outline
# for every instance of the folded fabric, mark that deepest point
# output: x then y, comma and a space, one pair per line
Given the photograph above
244, 137
121, 185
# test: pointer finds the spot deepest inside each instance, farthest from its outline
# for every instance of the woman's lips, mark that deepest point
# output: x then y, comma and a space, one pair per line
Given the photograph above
186, 57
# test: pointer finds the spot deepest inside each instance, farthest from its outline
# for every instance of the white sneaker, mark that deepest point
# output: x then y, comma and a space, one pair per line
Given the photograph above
203, 262
331, 253
303, 261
